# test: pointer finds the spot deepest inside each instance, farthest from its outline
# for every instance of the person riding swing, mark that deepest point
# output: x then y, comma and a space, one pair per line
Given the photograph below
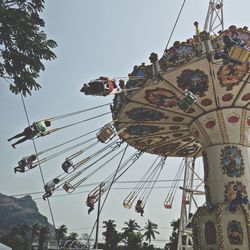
90, 203
139, 207
26, 162
36, 129
102, 86
50, 187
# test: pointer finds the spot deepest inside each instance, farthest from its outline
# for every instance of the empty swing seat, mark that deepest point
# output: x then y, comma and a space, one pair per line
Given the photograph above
97, 86
67, 165
239, 54
68, 187
126, 205
105, 133
168, 205
185, 202
186, 100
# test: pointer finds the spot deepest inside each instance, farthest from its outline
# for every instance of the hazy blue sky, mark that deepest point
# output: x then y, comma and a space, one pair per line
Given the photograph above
97, 38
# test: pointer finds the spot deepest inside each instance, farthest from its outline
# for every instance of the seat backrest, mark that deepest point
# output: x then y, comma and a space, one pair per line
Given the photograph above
105, 133
239, 54
68, 187
168, 206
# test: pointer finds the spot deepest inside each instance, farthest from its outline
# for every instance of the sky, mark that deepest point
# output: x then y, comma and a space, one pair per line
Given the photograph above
97, 38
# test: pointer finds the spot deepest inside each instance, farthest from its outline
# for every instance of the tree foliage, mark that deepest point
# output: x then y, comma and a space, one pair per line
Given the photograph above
173, 239
112, 237
43, 237
22, 236
61, 234
17, 237
23, 45
73, 239
26, 237
150, 231
131, 226
131, 235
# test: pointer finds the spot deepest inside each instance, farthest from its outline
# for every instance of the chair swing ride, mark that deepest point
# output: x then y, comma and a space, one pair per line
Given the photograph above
193, 101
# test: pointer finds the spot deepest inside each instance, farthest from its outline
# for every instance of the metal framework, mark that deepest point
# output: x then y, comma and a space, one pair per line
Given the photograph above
213, 23
190, 190
214, 20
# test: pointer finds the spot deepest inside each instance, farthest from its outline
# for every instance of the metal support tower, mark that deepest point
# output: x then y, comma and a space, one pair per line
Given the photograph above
185, 234
214, 20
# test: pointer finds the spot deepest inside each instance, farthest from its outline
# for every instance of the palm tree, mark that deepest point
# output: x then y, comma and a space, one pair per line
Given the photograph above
173, 239
14, 231
43, 237
61, 233
23, 230
35, 231
73, 237
14, 239
132, 238
131, 227
112, 237
150, 231
17, 238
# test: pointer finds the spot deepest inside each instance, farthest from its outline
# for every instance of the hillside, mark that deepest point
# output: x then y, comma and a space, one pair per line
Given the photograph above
16, 211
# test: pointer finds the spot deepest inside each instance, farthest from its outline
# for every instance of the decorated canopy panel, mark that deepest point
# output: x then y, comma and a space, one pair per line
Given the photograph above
149, 118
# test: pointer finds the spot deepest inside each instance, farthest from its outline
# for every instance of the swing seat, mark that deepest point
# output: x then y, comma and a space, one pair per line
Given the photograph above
139, 208
239, 54
91, 200
168, 205
97, 86
185, 202
105, 133
127, 205
22, 163
94, 198
68, 187
96, 193
68, 166
186, 100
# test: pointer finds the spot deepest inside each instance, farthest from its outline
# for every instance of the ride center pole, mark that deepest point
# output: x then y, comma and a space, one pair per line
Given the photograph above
98, 215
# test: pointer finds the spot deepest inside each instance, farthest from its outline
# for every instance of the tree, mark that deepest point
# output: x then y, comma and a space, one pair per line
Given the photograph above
14, 239
43, 237
61, 233
23, 45
86, 240
23, 230
131, 226
17, 238
173, 239
35, 231
150, 231
73, 238
112, 237
132, 239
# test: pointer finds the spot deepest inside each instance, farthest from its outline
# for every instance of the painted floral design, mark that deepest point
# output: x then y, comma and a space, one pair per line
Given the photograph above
142, 129
235, 232
231, 74
161, 97
235, 193
210, 233
145, 114
195, 81
232, 162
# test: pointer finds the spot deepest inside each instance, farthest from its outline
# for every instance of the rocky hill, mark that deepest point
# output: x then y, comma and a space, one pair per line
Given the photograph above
14, 211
